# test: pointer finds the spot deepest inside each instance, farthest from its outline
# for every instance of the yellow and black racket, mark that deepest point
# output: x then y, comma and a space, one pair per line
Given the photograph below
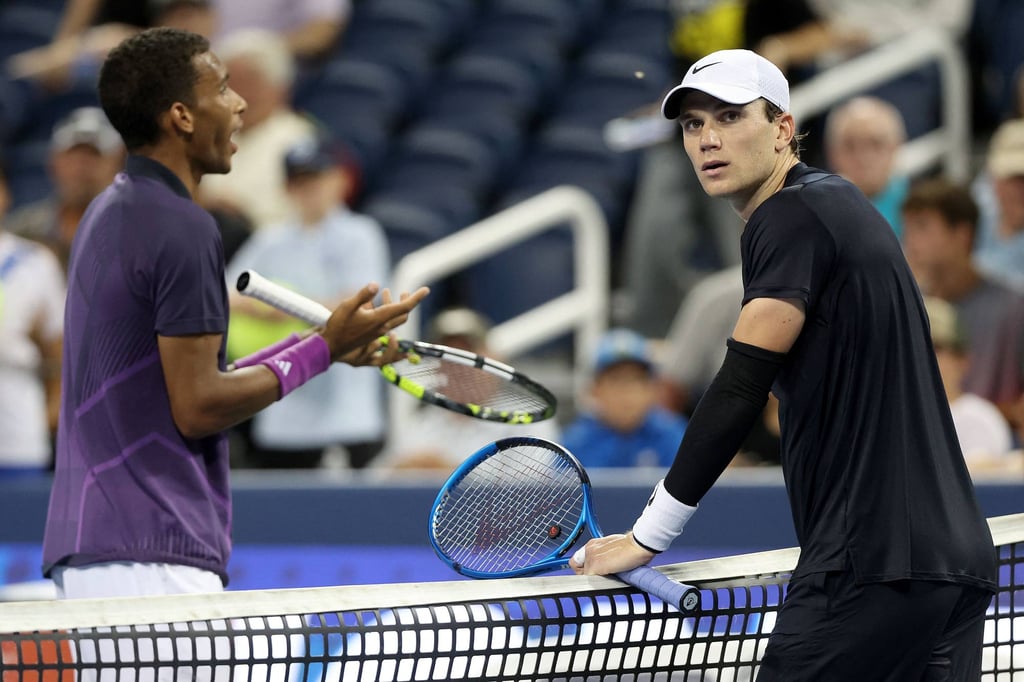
452, 378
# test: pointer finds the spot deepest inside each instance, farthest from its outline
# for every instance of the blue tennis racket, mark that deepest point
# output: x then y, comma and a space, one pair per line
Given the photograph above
516, 507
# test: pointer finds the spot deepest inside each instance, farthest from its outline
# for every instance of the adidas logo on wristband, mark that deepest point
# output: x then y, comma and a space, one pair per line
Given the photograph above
284, 365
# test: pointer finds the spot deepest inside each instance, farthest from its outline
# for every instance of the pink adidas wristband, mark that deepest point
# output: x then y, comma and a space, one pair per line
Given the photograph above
264, 353
297, 364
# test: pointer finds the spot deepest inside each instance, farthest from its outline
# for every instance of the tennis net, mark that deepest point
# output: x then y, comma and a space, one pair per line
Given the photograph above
554, 628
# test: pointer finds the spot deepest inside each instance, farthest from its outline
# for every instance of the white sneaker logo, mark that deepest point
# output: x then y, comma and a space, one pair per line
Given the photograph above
284, 366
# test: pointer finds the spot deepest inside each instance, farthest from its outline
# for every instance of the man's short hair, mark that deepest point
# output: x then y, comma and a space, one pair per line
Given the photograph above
949, 199
143, 76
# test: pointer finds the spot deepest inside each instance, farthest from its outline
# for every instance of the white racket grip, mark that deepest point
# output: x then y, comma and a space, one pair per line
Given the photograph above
684, 597
251, 283
662, 520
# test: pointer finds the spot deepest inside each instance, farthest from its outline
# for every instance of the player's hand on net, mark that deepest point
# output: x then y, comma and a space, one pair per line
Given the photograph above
356, 324
609, 554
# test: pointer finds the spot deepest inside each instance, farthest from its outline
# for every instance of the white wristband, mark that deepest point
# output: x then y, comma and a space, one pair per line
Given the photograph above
662, 520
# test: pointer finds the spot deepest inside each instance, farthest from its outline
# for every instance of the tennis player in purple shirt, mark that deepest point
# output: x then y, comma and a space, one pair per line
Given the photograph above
141, 501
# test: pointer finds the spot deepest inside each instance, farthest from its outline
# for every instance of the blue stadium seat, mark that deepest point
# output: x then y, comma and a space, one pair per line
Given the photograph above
482, 85
522, 277
639, 27
24, 26
420, 23
543, 59
408, 226
573, 155
26, 166
605, 85
354, 88
504, 136
431, 160
413, 64
553, 21
366, 138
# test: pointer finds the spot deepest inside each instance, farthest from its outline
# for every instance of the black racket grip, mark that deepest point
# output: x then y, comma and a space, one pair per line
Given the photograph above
684, 597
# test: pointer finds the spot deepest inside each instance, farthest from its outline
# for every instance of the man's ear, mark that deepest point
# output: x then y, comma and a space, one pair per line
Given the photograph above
787, 129
179, 120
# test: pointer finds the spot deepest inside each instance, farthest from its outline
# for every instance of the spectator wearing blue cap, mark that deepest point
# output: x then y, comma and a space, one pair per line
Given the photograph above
623, 425
325, 251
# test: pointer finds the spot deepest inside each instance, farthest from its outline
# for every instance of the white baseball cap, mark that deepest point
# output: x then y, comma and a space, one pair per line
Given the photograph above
733, 76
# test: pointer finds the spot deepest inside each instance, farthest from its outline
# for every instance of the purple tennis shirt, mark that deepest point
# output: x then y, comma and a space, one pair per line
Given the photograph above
128, 486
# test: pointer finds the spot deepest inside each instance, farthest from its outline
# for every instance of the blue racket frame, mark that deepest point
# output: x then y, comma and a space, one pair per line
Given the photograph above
684, 597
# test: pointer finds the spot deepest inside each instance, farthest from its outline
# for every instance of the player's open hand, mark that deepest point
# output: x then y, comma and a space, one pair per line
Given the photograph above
609, 554
356, 325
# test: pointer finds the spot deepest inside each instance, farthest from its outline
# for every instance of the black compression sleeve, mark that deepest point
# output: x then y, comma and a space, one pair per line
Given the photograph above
722, 420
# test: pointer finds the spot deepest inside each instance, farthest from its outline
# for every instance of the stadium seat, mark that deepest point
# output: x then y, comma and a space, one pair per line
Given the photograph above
640, 27
408, 226
430, 160
26, 166
24, 26
573, 155
418, 23
482, 85
355, 88
606, 85
553, 21
543, 59
413, 64
522, 277
503, 135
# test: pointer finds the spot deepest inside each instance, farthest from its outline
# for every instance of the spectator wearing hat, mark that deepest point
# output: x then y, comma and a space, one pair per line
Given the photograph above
984, 434
438, 439
1000, 194
327, 252
623, 425
85, 155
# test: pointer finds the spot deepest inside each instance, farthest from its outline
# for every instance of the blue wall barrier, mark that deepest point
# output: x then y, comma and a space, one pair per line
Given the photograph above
297, 529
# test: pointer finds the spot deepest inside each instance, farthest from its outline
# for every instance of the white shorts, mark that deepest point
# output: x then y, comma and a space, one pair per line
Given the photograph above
132, 579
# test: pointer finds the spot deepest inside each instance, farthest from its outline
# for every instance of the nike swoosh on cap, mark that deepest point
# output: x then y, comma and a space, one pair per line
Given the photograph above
697, 69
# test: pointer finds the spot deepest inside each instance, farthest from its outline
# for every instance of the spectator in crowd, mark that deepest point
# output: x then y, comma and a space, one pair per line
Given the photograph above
999, 248
89, 29
862, 139
439, 439
262, 72
940, 223
85, 155
623, 425
985, 436
310, 28
327, 252
694, 349
31, 321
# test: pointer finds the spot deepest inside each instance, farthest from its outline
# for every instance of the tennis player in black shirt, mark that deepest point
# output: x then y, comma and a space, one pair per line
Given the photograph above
897, 564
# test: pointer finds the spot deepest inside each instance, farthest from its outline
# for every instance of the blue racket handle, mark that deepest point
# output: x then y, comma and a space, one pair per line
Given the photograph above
684, 597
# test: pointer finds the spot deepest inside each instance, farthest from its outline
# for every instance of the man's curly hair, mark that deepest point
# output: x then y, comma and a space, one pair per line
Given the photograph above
143, 76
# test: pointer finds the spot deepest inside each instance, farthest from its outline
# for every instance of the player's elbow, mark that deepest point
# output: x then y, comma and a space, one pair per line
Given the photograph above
193, 422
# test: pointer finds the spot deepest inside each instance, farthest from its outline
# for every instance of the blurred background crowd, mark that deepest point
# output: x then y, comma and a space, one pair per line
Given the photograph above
375, 128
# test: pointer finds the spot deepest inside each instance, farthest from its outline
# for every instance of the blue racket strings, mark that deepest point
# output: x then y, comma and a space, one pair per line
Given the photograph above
511, 511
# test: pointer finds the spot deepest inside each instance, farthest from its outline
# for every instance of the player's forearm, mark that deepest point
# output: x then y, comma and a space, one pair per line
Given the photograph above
722, 420
231, 398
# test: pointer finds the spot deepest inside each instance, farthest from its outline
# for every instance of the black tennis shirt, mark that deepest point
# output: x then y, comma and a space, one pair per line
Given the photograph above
873, 468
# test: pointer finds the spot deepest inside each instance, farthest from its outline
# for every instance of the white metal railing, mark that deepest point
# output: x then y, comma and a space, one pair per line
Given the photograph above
949, 143
583, 310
